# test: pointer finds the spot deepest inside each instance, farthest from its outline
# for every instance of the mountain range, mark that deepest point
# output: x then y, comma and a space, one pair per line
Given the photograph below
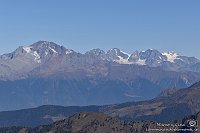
46, 73
35, 59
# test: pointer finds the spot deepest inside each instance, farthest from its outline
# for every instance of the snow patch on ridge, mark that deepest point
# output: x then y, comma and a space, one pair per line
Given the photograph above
141, 62
171, 56
37, 56
27, 49
33, 53
125, 53
53, 50
68, 51
123, 61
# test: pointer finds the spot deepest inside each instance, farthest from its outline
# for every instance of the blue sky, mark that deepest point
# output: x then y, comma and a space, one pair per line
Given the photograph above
166, 25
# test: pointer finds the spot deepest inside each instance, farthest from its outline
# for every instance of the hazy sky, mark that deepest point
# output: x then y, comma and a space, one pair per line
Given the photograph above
85, 24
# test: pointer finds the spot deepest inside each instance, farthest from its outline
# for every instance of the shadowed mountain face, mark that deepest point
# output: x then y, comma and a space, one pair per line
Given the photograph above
47, 73
171, 105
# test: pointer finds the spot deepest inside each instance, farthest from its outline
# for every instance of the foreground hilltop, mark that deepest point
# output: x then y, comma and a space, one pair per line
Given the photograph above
100, 123
86, 123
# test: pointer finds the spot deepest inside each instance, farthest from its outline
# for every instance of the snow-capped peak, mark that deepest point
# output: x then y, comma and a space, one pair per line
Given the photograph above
171, 56
117, 55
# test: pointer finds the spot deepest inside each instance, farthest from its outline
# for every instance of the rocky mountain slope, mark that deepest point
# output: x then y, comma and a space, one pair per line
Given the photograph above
170, 105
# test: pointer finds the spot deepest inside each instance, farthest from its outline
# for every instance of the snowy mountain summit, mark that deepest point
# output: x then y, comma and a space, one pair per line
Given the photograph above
150, 57
44, 49
43, 54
